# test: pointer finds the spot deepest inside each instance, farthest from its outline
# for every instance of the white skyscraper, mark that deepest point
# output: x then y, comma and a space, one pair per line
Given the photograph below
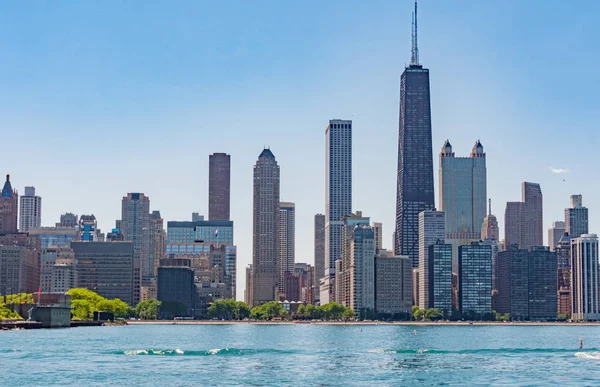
31, 210
338, 186
584, 278
576, 217
432, 228
463, 195
287, 240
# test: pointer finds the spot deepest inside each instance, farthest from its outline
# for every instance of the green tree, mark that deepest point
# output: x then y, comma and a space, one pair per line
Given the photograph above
81, 309
433, 314
243, 310
148, 309
302, 309
116, 306
418, 314
348, 314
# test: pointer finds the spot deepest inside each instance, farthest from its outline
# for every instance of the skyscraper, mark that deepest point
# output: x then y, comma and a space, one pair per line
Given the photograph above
265, 254
489, 229
135, 227
319, 253
345, 265
31, 210
9, 208
523, 221
157, 241
463, 195
362, 271
378, 230
475, 279
287, 241
555, 233
393, 285
219, 181
576, 217
432, 228
415, 160
338, 186
584, 278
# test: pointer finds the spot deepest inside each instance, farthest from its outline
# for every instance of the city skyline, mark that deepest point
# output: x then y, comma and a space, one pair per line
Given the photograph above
374, 130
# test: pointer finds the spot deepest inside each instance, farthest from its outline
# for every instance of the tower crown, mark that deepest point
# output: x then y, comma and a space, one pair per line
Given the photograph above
477, 150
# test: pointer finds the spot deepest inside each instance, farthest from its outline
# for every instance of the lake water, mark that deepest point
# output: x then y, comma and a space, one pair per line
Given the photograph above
301, 355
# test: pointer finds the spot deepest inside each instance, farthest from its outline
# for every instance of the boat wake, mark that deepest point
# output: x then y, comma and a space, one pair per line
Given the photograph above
588, 355
210, 352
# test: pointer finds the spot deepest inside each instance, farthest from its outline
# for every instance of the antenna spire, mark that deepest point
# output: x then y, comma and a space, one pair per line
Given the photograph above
490, 201
414, 58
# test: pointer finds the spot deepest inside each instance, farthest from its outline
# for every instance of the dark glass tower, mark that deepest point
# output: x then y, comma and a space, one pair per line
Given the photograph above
415, 157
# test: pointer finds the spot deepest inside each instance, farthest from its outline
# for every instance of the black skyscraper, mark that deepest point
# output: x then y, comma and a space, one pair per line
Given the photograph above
415, 157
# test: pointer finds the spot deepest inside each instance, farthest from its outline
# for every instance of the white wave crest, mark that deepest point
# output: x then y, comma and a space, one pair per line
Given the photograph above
588, 355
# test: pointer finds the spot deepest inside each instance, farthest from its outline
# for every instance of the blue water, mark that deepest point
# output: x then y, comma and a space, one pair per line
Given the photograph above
301, 355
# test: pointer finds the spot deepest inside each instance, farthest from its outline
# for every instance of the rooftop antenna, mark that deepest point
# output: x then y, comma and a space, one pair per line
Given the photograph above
490, 210
414, 59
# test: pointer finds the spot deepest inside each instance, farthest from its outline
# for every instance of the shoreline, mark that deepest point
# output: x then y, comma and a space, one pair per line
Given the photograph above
359, 323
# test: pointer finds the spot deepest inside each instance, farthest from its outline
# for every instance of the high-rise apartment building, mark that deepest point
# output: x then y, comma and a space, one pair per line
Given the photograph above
9, 208
523, 221
248, 292
393, 285
106, 268
576, 217
362, 270
432, 228
320, 262
287, 241
463, 195
475, 279
338, 186
265, 254
31, 210
135, 227
584, 278
344, 265
555, 233
19, 269
378, 230
489, 229
219, 182
415, 192
439, 285
157, 241
563, 257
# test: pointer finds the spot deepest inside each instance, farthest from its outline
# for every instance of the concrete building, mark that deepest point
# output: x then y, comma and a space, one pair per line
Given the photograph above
9, 208
393, 285
248, 292
135, 227
327, 287
55, 236
50, 256
31, 210
320, 262
287, 242
563, 257
527, 283
432, 228
219, 181
489, 229
555, 233
576, 217
378, 230
265, 257
463, 195
343, 268
157, 241
106, 268
338, 186
439, 283
475, 279
68, 219
523, 224
415, 192
584, 278
362, 269
64, 273
176, 284
19, 269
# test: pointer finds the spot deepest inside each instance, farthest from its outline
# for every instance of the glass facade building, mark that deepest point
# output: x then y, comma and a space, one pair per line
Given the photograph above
440, 277
475, 279
207, 231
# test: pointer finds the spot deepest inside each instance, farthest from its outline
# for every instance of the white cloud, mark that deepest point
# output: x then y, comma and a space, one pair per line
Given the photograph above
559, 170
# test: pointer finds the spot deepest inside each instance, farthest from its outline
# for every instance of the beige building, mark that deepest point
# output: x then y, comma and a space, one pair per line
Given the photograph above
432, 228
393, 284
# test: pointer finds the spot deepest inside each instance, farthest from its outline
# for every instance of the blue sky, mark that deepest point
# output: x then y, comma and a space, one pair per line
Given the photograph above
102, 98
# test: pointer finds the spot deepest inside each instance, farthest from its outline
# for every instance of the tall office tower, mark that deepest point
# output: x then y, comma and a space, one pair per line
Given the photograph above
219, 181
439, 286
88, 229
319, 253
563, 258
432, 228
135, 227
463, 195
489, 229
9, 205
287, 241
393, 285
338, 186
106, 268
378, 230
523, 221
527, 283
68, 219
157, 241
555, 233
31, 210
584, 278
475, 279
345, 265
576, 217
415, 159
265, 254
362, 272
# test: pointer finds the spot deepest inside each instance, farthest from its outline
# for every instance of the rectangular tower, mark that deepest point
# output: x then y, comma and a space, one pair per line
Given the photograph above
31, 210
576, 217
584, 278
219, 180
319, 253
287, 241
432, 228
555, 233
338, 186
